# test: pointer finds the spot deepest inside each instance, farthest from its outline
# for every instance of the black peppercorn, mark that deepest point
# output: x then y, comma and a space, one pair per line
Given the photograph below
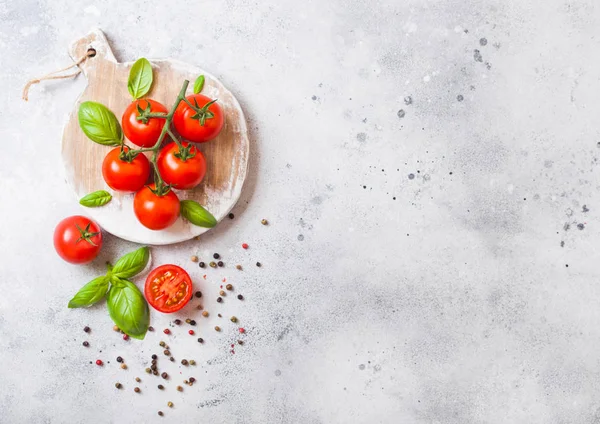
161, 387
239, 296
216, 256
86, 329
167, 353
198, 293
160, 413
137, 389
86, 344
172, 359
200, 340
192, 379
220, 263
118, 385
164, 375
201, 264
155, 372
154, 356
119, 359
192, 322
231, 216
219, 299
177, 321
258, 264
184, 362
150, 328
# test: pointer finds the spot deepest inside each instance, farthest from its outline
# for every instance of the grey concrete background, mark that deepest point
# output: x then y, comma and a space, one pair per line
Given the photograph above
429, 169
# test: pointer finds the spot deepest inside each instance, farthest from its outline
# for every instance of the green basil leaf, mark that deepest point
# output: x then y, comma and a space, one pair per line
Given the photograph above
128, 309
95, 199
91, 293
199, 84
196, 214
132, 263
100, 124
140, 78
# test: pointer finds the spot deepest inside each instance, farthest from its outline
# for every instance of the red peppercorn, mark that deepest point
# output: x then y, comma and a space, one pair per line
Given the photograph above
242, 330
99, 362
125, 337
167, 331
245, 245
191, 332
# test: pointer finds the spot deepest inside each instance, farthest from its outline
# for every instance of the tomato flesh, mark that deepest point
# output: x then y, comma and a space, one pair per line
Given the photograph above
168, 288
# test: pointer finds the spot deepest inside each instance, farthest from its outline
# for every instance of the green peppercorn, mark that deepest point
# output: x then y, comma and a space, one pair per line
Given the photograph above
188, 321
138, 379
148, 370
233, 319
192, 362
264, 221
118, 385
162, 344
170, 404
213, 264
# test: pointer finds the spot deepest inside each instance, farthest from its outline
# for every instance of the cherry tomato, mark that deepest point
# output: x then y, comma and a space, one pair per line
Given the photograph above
153, 211
77, 239
181, 169
199, 126
143, 133
168, 288
122, 175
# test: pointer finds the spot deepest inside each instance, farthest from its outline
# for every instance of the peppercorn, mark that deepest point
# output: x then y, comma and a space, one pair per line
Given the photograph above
170, 404
154, 356
238, 267
154, 372
241, 330
186, 382
161, 387
192, 322
222, 293
239, 296
119, 359
219, 299
219, 315
162, 344
220, 263
198, 294
99, 362
194, 258
179, 389
153, 367
217, 328
164, 375
150, 328
201, 264
192, 362
184, 362
205, 314
148, 370
216, 256
167, 331
160, 413
123, 366
213, 264
191, 332
264, 221
192, 380
125, 337
245, 245
116, 328
258, 264
231, 216
172, 359
86, 329
177, 321
86, 344
199, 307
138, 379
200, 340
233, 319
229, 287
240, 342
167, 352
118, 385
188, 321
136, 389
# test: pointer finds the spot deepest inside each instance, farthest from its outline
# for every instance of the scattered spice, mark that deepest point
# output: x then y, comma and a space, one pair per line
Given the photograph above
167, 331
119, 359
86, 344
192, 322
198, 294
219, 315
123, 366
161, 387
170, 404
172, 359
99, 362
192, 380
238, 267
179, 389
138, 379
164, 375
116, 328
154, 356
219, 299
201, 264
187, 321
258, 264
200, 340
231, 216
148, 370
150, 328
162, 344
167, 352
118, 385
242, 330
220, 263
205, 314
186, 382
240, 342
136, 389
245, 245
233, 319
194, 258
155, 372
125, 337
177, 321
184, 362
86, 329
239, 296
199, 307
229, 287
161, 413
191, 332
216, 256
264, 221
222, 293
217, 328
213, 264
192, 362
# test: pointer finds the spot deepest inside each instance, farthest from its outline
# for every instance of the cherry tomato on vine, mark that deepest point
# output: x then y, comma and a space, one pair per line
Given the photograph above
200, 124
168, 288
154, 211
77, 239
182, 168
123, 173
143, 132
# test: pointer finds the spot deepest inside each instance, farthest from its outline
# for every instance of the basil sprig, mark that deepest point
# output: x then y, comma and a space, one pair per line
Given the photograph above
126, 304
140, 78
99, 124
95, 199
196, 214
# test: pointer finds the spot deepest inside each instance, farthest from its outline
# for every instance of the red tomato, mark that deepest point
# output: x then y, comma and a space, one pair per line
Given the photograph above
181, 169
144, 134
122, 175
168, 288
199, 126
156, 212
77, 239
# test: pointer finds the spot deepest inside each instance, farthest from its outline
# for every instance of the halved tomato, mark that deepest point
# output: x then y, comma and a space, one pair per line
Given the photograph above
168, 288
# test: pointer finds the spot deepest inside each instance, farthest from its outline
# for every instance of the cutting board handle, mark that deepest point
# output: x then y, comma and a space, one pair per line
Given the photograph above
97, 41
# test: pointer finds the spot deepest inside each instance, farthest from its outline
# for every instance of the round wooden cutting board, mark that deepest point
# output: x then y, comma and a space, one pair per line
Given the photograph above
226, 156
